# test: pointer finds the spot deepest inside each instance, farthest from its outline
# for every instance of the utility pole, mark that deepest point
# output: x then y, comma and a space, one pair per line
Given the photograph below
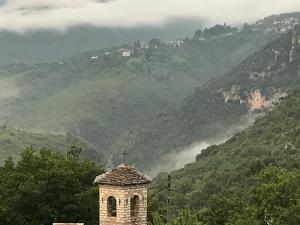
169, 199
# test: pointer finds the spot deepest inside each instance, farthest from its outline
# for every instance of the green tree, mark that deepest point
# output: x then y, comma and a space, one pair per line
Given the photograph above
198, 34
246, 28
278, 196
247, 217
219, 209
155, 42
186, 218
156, 219
48, 187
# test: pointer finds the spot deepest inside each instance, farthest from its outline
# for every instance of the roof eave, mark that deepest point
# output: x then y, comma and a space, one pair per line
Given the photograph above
118, 184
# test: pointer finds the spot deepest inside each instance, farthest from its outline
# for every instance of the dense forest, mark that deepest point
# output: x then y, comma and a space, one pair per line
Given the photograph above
63, 123
253, 178
45, 187
13, 141
102, 97
223, 103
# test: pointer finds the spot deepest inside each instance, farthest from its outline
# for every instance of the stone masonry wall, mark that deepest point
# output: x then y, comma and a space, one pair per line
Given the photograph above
123, 194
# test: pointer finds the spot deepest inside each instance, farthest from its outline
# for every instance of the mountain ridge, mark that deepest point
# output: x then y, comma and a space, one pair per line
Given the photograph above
14, 141
112, 101
230, 173
210, 109
99, 95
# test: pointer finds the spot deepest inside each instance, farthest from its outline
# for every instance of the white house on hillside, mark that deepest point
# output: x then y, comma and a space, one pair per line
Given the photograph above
125, 52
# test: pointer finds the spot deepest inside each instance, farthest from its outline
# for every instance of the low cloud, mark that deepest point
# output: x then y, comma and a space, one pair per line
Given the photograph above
23, 15
174, 161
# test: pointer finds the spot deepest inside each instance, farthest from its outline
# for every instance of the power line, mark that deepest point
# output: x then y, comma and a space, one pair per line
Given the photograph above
189, 196
151, 188
161, 189
169, 190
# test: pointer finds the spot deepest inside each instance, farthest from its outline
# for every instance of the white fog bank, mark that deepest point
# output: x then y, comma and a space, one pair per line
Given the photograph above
24, 15
175, 161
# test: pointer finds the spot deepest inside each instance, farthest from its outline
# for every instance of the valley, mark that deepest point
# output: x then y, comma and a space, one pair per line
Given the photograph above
107, 99
211, 114
224, 102
230, 174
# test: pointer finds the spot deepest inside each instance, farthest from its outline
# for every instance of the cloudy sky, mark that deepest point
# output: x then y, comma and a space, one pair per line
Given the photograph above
24, 15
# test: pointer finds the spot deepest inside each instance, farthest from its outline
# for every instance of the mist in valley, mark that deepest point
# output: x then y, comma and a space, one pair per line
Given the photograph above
8, 88
177, 160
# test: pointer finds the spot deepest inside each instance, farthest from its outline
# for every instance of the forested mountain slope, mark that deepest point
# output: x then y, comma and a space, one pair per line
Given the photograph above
41, 46
224, 102
14, 141
253, 177
100, 95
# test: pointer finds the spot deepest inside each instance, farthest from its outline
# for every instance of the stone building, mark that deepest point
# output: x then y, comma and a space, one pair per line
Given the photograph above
123, 196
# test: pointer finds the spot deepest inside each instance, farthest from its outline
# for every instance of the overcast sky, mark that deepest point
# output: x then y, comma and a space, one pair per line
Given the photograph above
23, 15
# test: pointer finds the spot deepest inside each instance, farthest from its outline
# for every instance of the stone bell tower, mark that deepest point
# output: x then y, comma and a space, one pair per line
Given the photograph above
123, 196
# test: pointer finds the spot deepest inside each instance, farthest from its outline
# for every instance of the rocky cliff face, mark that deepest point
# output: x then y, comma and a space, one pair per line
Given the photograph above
269, 73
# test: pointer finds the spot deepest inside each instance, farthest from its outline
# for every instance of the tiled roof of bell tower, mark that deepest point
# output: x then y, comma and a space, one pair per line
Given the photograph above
122, 175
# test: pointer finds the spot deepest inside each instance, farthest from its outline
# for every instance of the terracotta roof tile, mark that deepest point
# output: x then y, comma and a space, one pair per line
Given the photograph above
122, 175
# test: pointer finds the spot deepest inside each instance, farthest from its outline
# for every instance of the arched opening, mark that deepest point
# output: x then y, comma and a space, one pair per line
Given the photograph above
112, 207
134, 205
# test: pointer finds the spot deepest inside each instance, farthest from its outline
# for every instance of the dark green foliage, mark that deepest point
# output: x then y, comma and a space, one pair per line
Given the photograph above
13, 141
107, 99
197, 35
184, 218
274, 199
48, 187
154, 43
207, 114
253, 178
217, 30
277, 196
156, 220
218, 209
